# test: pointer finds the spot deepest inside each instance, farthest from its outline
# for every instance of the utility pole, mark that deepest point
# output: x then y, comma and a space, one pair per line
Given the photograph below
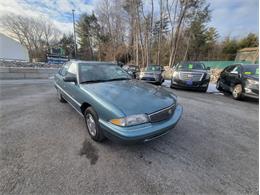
75, 43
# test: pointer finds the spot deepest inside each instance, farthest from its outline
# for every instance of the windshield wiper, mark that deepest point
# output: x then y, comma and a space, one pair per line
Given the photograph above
118, 79
93, 81
101, 80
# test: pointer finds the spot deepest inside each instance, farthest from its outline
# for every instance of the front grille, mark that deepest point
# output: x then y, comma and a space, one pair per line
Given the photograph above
149, 74
194, 76
162, 114
148, 78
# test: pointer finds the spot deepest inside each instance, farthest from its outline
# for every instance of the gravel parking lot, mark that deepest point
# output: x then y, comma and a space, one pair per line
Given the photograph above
45, 148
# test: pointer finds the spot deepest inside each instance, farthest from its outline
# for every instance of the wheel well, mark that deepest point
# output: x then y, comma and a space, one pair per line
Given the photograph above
237, 83
84, 106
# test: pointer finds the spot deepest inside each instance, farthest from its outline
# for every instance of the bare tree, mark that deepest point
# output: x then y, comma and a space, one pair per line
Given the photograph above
111, 19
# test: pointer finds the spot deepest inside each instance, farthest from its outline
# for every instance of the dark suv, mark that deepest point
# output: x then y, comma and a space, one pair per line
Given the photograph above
240, 80
190, 75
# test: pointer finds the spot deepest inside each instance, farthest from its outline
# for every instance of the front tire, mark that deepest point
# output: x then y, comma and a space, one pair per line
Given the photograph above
92, 125
172, 86
204, 89
237, 92
218, 86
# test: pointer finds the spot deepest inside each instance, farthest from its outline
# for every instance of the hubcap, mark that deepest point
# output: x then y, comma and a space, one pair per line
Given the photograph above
237, 91
91, 124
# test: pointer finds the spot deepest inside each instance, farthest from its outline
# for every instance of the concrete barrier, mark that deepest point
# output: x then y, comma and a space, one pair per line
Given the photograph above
26, 73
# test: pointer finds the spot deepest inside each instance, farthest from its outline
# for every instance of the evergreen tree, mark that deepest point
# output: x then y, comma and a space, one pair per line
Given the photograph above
88, 33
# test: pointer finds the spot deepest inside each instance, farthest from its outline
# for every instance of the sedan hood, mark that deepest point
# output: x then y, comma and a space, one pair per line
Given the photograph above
132, 96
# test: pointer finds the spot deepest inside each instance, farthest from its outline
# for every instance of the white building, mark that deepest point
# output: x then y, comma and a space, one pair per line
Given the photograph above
12, 50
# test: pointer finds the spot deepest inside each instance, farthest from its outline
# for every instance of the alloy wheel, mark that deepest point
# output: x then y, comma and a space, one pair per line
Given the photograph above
237, 91
91, 124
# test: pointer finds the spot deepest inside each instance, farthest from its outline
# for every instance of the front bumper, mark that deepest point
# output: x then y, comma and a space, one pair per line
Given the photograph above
141, 133
150, 79
184, 84
252, 93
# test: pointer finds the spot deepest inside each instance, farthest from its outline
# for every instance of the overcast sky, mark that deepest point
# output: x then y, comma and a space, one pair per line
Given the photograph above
235, 18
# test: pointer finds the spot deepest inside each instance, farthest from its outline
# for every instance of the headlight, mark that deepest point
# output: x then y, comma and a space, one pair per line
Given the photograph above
207, 76
131, 120
175, 75
252, 82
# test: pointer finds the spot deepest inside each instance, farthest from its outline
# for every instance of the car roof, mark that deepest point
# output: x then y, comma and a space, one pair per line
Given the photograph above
244, 65
247, 65
132, 65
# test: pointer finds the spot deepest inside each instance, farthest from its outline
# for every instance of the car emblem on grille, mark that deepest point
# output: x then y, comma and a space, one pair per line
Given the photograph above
189, 75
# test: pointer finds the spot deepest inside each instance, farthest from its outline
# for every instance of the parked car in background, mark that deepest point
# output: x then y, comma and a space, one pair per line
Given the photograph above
152, 74
190, 75
114, 105
240, 80
133, 70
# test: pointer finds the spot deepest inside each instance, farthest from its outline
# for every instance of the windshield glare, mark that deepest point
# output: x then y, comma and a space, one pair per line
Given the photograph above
191, 66
252, 70
153, 68
101, 72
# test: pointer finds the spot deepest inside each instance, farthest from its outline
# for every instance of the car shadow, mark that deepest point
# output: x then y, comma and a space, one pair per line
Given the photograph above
188, 90
245, 99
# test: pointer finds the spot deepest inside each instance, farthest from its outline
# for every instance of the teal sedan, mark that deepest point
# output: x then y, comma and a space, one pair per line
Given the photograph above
114, 105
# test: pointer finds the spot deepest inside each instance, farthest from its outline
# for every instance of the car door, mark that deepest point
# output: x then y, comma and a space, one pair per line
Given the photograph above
225, 77
234, 77
72, 88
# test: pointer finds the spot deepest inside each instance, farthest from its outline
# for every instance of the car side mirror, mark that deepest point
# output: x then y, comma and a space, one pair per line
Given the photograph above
208, 68
70, 78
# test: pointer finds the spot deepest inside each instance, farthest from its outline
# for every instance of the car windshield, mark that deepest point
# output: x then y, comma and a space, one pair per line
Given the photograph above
101, 73
252, 70
191, 66
153, 68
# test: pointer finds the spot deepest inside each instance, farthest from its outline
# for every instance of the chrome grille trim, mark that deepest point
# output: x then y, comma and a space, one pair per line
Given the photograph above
196, 76
150, 116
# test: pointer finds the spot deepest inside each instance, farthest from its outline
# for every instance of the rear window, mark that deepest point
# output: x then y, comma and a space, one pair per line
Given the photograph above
252, 70
153, 68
